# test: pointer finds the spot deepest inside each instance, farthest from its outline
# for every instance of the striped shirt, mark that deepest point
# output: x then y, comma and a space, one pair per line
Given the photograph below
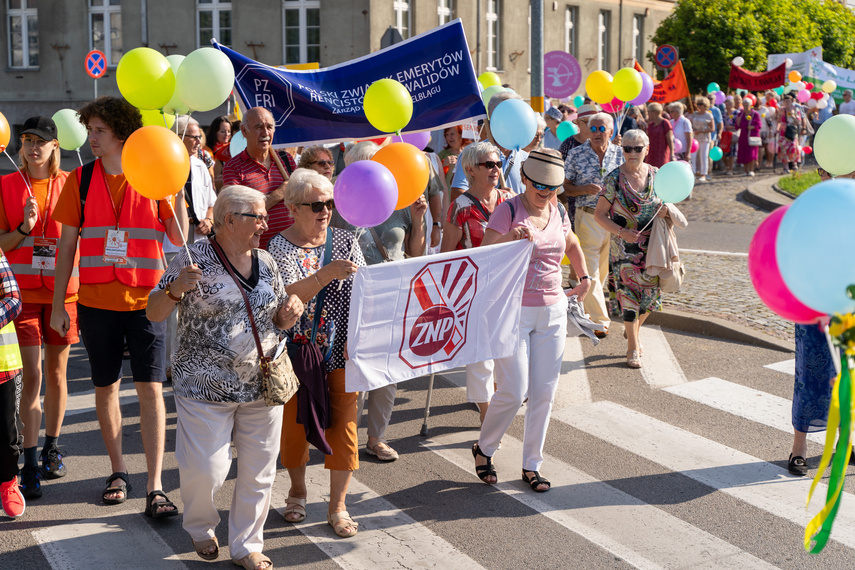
10, 305
246, 171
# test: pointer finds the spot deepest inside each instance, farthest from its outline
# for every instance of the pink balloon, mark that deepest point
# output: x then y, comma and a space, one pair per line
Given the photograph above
646, 90
418, 140
766, 276
617, 105
803, 95
678, 146
695, 145
607, 107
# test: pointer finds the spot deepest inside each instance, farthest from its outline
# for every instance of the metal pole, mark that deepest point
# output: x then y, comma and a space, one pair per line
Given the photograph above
478, 37
424, 431
537, 55
95, 85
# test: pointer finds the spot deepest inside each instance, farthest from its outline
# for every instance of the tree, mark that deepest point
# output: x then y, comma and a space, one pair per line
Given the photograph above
710, 33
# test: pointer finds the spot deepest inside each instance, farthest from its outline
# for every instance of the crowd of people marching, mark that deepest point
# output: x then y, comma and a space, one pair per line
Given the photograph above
268, 257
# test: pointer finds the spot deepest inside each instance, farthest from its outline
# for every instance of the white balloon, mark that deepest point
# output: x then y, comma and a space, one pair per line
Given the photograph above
822, 104
788, 62
811, 103
738, 61
825, 96
800, 85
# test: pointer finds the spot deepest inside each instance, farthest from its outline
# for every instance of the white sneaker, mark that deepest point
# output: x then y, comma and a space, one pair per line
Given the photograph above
751, 173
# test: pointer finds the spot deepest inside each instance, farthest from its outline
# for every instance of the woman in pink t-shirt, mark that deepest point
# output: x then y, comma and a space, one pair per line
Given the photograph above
533, 371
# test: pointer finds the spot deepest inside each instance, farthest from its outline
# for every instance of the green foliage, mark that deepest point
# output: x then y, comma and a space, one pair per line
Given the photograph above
710, 33
798, 182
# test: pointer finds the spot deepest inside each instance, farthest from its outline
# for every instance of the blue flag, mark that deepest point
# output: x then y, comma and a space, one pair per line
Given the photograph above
325, 105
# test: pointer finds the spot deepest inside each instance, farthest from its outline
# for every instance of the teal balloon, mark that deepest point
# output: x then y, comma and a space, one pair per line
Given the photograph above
565, 130
779, 90
716, 153
809, 247
489, 92
205, 79
832, 145
713, 87
70, 133
513, 124
578, 101
674, 182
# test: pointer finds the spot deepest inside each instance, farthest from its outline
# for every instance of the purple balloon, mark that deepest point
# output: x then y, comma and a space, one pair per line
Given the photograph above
678, 145
418, 140
646, 90
365, 194
719, 97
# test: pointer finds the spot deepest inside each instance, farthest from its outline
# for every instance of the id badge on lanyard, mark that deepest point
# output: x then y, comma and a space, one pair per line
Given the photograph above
44, 253
115, 241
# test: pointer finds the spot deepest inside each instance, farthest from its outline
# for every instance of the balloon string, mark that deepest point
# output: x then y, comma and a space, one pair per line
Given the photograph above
180, 231
165, 122
79, 158
662, 205
359, 232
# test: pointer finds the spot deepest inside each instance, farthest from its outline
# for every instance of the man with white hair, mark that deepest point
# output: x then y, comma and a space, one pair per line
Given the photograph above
848, 105
585, 169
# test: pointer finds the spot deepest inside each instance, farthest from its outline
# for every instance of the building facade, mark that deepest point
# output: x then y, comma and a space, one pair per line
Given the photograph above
46, 41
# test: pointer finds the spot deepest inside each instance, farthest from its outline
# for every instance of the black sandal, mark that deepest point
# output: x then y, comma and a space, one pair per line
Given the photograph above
151, 507
536, 481
484, 471
124, 487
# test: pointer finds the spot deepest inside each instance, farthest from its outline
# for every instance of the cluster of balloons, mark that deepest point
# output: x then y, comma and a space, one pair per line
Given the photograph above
627, 86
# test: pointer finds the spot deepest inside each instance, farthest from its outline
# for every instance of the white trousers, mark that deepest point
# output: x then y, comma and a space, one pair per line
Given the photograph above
532, 371
479, 382
203, 434
380, 404
595, 241
701, 158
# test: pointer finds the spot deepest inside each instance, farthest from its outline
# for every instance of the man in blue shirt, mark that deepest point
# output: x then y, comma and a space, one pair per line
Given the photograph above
718, 126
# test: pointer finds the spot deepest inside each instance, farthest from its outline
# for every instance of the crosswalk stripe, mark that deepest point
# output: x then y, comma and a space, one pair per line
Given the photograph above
601, 513
83, 402
785, 366
739, 400
749, 479
387, 538
661, 368
120, 539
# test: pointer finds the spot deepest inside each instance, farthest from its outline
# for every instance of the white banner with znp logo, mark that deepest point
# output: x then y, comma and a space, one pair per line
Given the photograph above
434, 313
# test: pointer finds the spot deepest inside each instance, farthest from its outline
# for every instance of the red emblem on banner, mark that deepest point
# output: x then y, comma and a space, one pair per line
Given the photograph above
437, 311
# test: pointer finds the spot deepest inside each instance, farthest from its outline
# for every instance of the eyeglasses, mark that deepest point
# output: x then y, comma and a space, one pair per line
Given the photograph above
36, 142
318, 207
197, 138
324, 162
601, 128
538, 135
259, 218
490, 164
544, 186
628, 149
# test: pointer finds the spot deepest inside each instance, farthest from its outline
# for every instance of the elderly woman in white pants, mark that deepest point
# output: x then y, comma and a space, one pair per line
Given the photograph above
533, 371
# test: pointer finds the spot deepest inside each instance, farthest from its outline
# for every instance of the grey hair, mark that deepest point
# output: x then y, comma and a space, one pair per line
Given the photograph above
654, 106
311, 154
364, 150
604, 117
635, 135
675, 106
500, 97
235, 199
472, 155
302, 181
182, 122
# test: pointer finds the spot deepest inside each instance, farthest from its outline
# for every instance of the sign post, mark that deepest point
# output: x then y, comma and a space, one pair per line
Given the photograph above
96, 66
666, 56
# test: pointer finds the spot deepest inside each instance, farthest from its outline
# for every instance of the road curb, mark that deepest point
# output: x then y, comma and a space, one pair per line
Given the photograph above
719, 328
763, 195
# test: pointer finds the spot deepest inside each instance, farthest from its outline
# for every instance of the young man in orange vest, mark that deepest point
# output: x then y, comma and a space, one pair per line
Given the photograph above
121, 260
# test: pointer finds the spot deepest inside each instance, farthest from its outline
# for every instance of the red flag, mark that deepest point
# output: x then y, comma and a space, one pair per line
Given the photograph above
753, 81
673, 88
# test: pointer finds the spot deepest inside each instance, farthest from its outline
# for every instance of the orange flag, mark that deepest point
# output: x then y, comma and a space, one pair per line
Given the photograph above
673, 88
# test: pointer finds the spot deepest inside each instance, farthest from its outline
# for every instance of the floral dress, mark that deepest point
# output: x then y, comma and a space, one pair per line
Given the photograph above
631, 292
789, 150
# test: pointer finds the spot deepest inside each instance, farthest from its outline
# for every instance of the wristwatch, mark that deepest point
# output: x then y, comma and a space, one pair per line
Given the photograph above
173, 297
438, 224
588, 277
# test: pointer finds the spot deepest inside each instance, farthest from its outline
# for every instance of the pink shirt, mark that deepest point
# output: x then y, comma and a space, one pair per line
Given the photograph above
543, 279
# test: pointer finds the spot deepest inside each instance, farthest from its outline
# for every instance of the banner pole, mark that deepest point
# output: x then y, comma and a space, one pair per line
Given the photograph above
424, 431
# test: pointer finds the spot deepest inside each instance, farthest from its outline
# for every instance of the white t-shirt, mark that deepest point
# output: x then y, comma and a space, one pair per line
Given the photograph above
203, 198
847, 107
681, 127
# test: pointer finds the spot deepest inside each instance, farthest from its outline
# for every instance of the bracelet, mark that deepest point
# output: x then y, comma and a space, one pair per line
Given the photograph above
22, 232
588, 277
318, 280
173, 297
619, 231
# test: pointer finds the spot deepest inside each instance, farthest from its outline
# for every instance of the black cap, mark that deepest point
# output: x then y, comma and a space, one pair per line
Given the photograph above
41, 127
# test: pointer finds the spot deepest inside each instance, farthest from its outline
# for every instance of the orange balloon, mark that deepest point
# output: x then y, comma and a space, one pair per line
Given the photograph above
155, 162
795, 76
410, 168
5, 133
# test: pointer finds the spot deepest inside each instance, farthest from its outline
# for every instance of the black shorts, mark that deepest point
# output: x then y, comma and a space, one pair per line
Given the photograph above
104, 334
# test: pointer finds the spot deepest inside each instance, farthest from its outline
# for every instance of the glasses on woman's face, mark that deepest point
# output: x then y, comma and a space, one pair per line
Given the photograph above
490, 164
323, 162
629, 149
317, 207
259, 218
544, 186
33, 142
601, 128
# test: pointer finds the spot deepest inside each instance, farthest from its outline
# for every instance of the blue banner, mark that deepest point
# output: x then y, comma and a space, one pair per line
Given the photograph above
325, 105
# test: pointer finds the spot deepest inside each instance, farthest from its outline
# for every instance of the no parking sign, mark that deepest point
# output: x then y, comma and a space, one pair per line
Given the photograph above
96, 63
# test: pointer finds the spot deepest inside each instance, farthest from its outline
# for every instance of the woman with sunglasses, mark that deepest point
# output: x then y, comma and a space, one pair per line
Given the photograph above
533, 371
324, 283
218, 136
318, 158
625, 210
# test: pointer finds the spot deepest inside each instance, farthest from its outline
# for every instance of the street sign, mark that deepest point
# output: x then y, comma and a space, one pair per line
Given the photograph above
562, 74
666, 56
96, 63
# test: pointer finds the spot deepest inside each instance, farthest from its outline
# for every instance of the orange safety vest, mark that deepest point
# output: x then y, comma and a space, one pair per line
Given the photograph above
139, 217
14, 193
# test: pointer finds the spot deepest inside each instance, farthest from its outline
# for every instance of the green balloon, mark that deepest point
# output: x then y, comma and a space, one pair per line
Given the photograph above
713, 87
205, 79
489, 92
779, 90
674, 181
578, 101
70, 132
175, 106
716, 154
832, 145
145, 78
565, 130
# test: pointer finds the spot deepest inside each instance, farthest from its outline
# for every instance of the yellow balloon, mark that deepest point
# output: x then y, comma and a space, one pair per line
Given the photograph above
388, 105
155, 117
145, 78
599, 87
627, 84
488, 79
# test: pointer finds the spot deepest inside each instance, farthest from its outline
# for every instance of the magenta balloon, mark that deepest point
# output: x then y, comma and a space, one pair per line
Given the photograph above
695, 145
646, 90
365, 194
678, 145
418, 140
719, 97
766, 276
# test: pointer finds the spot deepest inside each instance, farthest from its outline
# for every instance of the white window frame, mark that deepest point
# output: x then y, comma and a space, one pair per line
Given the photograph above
571, 42
403, 17
445, 11
215, 7
106, 10
638, 37
25, 13
604, 37
303, 6
494, 31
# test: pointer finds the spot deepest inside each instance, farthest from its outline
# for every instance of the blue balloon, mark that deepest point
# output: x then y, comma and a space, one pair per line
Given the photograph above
811, 248
237, 144
513, 124
674, 182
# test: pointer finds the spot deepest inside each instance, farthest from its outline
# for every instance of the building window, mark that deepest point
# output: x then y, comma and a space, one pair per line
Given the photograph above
638, 37
494, 47
302, 24
23, 26
105, 29
403, 17
603, 46
445, 9
213, 20
571, 16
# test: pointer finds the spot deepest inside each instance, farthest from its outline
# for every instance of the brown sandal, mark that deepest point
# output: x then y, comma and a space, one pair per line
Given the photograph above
298, 507
340, 522
203, 544
252, 560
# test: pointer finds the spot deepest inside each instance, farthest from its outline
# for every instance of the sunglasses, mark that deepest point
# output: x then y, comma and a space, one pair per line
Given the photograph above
629, 149
490, 164
197, 138
547, 187
318, 207
259, 218
601, 128
324, 162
